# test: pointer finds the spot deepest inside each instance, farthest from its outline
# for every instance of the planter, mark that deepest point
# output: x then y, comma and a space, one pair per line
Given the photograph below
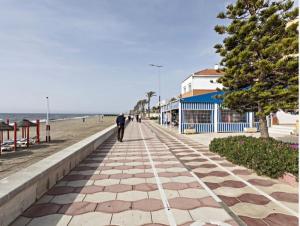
289, 179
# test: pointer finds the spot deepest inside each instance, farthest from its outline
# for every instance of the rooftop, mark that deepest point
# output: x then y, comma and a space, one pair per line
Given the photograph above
206, 72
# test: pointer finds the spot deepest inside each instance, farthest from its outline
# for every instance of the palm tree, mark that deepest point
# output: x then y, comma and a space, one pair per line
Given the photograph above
149, 95
142, 104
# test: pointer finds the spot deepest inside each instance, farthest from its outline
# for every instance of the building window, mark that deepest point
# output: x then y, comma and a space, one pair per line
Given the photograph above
190, 87
229, 116
197, 116
184, 89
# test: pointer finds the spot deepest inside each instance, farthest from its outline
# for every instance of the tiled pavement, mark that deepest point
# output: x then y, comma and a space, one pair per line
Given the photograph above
256, 200
118, 185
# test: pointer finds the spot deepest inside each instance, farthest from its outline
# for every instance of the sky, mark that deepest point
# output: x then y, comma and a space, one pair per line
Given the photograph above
93, 56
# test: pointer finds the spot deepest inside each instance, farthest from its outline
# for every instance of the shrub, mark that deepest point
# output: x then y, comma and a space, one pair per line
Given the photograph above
265, 156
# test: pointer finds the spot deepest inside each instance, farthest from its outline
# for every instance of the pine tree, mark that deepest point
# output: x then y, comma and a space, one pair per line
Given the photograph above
260, 57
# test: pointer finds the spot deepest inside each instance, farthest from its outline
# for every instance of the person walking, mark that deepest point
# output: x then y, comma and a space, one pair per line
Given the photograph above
121, 126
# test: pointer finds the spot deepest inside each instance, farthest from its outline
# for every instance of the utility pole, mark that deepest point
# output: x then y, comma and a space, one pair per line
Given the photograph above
159, 99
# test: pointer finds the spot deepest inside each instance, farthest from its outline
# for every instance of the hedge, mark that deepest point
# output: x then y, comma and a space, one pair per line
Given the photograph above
267, 157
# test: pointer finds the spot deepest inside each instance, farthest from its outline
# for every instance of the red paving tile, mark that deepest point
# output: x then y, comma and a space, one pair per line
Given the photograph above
145, 187
114, 206
229, 201
116, 188
281, 219
241, 172
232, 184
184, 203
249, 221
286, 197
261, 182
254, 199
175, 186
148, 205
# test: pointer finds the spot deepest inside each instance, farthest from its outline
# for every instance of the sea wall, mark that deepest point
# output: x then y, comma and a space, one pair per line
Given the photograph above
22, 189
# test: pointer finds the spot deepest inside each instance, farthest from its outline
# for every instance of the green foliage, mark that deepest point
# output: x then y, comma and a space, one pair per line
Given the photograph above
267, 157
260, 56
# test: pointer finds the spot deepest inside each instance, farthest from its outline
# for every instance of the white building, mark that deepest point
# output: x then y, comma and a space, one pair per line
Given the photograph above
201, 82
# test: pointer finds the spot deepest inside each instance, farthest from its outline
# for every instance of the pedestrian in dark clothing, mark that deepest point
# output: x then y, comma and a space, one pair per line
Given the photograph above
121, 126
137, 118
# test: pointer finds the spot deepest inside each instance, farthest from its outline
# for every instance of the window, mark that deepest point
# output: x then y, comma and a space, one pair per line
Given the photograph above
184, 89
190, 87
232, 116
197, 116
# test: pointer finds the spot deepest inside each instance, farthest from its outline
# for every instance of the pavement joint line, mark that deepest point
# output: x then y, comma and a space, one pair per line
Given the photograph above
165, 201
210, 192
239, 178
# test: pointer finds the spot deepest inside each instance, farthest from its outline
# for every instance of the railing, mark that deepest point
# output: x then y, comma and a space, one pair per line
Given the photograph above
232, 126
199, 127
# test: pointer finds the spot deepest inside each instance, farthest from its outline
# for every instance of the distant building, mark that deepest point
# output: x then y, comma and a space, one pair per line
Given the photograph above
201, 82
199, 110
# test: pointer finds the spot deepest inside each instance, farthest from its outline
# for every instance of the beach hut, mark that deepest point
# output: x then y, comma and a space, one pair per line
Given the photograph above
4, 127
25, 124
205, 114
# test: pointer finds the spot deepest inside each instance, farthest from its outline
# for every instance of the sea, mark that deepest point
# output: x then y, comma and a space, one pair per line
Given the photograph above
14, 117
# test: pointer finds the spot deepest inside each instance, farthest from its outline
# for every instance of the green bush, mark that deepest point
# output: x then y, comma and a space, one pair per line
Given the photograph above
265, 156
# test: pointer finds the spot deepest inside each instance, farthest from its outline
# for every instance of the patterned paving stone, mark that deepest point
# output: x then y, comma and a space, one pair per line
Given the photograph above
50, 220
89, 189
114, 206
67, 198
131, 218
118, 188
60, 190
286, 197
184, 203
100, 197
261, 182
148, 205
254, 199
91, 219
145, 187
175, 186
78, 208
132, 195
241, 172
281, 219
41, 210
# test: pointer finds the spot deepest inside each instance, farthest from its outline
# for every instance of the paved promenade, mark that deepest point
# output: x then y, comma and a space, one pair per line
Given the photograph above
156, 177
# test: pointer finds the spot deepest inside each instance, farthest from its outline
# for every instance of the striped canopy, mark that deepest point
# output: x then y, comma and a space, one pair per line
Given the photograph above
204, 98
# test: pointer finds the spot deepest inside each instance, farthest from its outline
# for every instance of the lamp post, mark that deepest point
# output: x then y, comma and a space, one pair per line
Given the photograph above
48, 138
158, 67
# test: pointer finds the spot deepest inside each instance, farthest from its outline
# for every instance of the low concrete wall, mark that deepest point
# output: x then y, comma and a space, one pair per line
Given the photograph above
22, 189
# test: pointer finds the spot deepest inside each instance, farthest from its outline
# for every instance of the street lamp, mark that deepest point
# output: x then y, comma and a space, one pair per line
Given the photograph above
158, 67
48, 137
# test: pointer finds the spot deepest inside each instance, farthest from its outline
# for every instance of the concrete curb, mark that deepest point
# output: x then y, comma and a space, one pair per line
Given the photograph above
20, 190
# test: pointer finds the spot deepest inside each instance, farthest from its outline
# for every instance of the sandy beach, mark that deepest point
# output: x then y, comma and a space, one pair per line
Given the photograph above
63, 134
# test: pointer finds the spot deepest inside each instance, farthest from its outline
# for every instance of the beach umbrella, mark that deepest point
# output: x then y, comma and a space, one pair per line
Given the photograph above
5, 127
25, 123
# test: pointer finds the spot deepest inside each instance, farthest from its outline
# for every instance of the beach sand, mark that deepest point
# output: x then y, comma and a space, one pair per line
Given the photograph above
63, 134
